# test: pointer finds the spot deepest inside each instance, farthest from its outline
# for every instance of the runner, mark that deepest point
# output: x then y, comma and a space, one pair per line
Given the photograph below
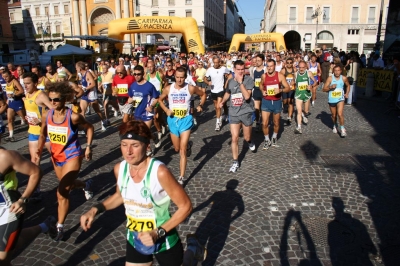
279, 63
240, 111
258, 71
302, 94
120, 85
146, 187
76, 93
60, 125
315, 69
288, 98
60, 68
180, 121
13, 204
215, 78
50, 74
169, 73
104, 85
90, 93
334, 85
12, 69
42, 81
272, 81
15, 93
157, 79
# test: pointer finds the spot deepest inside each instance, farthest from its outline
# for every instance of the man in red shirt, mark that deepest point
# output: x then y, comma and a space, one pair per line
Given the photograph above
120, 85
13, 70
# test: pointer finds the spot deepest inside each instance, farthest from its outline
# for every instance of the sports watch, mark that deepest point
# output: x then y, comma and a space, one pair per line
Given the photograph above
161, 232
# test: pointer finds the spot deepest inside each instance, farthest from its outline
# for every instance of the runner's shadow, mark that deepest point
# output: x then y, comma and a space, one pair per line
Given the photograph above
214, 229
212, 145
348, 238
325, 118
284, 243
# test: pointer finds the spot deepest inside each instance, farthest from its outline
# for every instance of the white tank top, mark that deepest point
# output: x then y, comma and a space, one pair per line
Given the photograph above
179, 100
278, 68
155, 82
313, 68
21, 81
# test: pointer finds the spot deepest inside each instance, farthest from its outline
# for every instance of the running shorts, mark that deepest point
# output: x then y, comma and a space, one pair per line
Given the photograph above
179, 125
302, 95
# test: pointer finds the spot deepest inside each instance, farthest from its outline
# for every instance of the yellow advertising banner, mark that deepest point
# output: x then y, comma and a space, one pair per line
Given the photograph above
383, 79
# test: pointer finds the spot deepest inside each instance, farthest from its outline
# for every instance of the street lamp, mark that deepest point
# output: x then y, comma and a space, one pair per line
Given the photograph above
317, 12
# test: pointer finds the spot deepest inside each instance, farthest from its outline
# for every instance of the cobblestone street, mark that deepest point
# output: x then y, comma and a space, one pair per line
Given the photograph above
317, 199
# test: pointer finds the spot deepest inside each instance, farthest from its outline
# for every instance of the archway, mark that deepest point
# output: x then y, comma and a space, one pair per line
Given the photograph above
50, 48
325, 37
237, 39
293, 40
187, 26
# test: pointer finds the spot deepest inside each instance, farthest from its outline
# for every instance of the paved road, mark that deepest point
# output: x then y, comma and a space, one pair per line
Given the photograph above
317, 199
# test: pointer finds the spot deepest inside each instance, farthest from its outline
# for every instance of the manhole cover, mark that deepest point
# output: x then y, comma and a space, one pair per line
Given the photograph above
322, 232
342, 162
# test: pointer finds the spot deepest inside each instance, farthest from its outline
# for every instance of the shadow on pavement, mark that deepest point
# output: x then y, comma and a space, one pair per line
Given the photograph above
348, 239
284, 243
325, 118
214, 229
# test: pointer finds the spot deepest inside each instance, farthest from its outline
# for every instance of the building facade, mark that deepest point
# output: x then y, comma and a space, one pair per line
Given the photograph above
46, 23
307, 24
6, 37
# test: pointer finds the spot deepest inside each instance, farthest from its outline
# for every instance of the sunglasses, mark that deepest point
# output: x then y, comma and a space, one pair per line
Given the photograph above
289, 63
138, 74
169, 65
119, 73
56, 100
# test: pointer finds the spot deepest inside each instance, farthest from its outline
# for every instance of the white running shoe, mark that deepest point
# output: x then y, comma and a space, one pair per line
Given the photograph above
88, 190
234, 167
103, 128
163, 130
252, 146
343, 132
312, 103
298, 130
217, 127
159, 135
334, 129
115, 113
305, 120
181, 180
274, 142
195, 121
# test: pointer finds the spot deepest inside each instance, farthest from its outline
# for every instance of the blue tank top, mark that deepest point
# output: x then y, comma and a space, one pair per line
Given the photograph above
84, 81
257, 78
336, 95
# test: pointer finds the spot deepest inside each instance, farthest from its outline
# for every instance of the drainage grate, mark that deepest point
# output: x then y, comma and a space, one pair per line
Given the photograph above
322, 232
342, 163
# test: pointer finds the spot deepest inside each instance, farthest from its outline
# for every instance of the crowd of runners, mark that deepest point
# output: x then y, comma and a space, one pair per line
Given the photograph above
153, 95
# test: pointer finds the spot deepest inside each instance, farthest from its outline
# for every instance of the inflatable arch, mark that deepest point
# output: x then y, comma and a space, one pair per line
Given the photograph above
187, 26
258, 37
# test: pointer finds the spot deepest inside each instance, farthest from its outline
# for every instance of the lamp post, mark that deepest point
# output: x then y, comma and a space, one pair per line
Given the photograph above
317, 12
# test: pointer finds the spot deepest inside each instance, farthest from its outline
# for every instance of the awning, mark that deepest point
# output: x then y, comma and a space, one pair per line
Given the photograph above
99, 39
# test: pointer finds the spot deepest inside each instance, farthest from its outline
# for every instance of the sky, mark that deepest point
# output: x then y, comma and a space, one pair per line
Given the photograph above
252, 12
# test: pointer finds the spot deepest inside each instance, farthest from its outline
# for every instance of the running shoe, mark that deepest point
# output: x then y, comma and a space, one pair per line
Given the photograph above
312, 103
227, 118
149, 153
252, 146
305, 120
35, 197
234, 167
298, 130
343, 132
88, 112
163, 130
10, 139
50, 222
158, 144
159, 135
59, 234
267, 144
115, 113
103, 128
334, 129
181, 180
274, 142
195, 252
23, 122
88, 189
222, 118
189, 149
289, 121
194, 121
217, 127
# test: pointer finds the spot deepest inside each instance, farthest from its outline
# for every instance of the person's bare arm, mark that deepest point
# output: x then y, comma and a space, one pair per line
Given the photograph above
282, 80
327, 84
90, 81
69, 75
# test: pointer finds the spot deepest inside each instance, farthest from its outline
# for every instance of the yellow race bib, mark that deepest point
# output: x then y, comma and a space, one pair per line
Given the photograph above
179, 112
257, 82
57, 135
336, 94
140, 224
271, 89
122, 88
303, 85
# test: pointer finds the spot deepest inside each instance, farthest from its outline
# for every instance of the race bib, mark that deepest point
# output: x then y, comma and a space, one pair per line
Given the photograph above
303, 85
136, 101
257, 82
179, 112
314, 73
41, 87
122, 88
140, 219
271, 89
57, 135
237, 99
337, 94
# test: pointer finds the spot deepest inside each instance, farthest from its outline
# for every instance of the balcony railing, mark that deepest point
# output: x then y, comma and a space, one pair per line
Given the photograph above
53, 36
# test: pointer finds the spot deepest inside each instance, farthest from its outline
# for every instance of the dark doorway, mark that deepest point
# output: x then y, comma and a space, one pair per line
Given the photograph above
292, 40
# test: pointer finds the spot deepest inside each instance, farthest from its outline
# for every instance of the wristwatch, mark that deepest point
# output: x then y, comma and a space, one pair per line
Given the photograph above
89, 146
24, 200
161, 232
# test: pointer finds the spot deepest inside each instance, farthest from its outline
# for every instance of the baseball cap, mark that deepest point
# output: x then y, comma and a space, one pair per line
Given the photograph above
282, 52
98, 59
2, 68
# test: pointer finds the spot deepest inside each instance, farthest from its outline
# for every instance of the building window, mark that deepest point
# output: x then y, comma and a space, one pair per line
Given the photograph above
188, 13
171, 2
58, 28
12, 17
171, 13
326, 14
325, 35
37, 11
154, 2
154, 14
39, 30
353, 32
292, 15
354, 15
55, 10
309, 13
46, 10
188, 2
371, 14
30, 32
307, 37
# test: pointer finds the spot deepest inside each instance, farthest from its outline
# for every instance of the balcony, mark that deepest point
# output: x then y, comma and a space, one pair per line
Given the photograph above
54, 36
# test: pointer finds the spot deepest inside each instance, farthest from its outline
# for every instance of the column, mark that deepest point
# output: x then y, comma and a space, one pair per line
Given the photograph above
127, 46
75, 10
117, 9
84, 18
